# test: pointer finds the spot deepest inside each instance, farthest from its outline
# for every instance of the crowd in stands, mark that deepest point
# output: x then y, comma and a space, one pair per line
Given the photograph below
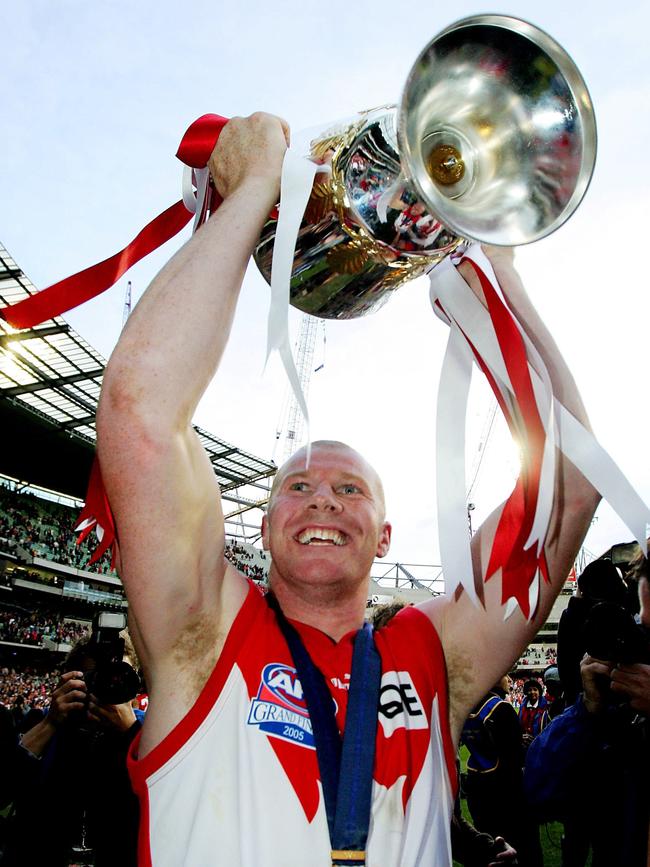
537, 657
34, 686
247, 560
31, 628
45, 529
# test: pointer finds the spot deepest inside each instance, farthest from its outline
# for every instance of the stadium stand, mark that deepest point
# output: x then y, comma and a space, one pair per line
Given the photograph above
250, 561
43, 529
34, 686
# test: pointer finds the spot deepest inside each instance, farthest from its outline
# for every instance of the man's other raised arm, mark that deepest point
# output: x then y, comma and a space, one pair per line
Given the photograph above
159, 481
479, 645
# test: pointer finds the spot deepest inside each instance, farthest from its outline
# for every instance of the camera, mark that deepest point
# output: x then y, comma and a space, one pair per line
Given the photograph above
611, 633
111, 681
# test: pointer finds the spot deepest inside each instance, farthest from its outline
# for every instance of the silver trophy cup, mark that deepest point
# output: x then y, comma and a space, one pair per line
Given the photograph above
494, 141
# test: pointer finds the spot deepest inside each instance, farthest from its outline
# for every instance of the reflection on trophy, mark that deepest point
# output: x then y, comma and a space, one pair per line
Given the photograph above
494, 141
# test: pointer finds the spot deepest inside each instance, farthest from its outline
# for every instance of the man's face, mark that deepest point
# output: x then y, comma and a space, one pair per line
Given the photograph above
506, 683
326, 523
533, 694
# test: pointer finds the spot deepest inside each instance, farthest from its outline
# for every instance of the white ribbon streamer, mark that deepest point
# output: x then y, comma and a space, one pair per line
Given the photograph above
195, 200
598, 467
533, 598
543, 392
91, 522
453, 526
202, 181
470, 314
297, 179
187, 188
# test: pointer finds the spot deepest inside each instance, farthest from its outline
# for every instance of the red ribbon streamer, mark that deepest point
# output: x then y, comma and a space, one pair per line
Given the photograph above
97, 512
194, 150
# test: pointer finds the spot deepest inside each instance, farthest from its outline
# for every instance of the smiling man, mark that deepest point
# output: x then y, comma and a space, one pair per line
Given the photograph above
325, 526
226, 768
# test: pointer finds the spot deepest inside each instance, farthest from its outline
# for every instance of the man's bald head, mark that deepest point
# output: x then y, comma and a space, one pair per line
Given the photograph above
299, 460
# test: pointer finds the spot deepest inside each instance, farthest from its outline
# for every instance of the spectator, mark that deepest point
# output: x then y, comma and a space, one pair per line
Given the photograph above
531, 712
554, 694
31, 628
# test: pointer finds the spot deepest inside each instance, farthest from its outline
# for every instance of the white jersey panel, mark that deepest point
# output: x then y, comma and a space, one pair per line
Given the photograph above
207, 806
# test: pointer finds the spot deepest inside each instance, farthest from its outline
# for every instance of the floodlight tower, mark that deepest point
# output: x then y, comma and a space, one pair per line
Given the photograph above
291, 425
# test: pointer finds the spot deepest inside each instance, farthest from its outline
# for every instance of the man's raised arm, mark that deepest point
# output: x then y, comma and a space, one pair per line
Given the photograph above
158, 478
479, 645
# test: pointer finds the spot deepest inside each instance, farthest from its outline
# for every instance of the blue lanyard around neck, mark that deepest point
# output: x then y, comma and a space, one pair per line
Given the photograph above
345, 768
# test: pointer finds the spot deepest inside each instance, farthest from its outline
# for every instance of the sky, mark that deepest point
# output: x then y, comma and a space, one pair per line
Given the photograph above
96, 98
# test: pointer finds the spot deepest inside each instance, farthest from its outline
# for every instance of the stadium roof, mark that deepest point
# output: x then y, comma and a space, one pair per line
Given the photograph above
50, 379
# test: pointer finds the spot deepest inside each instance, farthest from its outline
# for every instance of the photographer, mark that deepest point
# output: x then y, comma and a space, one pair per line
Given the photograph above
67, 776
590, 767
600, 581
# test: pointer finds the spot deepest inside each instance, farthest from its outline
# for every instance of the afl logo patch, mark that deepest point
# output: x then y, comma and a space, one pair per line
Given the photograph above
279, 709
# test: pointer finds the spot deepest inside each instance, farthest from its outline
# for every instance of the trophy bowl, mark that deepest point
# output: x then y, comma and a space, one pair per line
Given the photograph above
494, 141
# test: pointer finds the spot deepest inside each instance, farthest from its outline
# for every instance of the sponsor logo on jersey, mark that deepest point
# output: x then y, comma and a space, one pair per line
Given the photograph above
279, 709
399, 703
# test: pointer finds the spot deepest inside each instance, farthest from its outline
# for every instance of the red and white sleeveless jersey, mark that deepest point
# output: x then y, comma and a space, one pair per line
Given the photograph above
237, 781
